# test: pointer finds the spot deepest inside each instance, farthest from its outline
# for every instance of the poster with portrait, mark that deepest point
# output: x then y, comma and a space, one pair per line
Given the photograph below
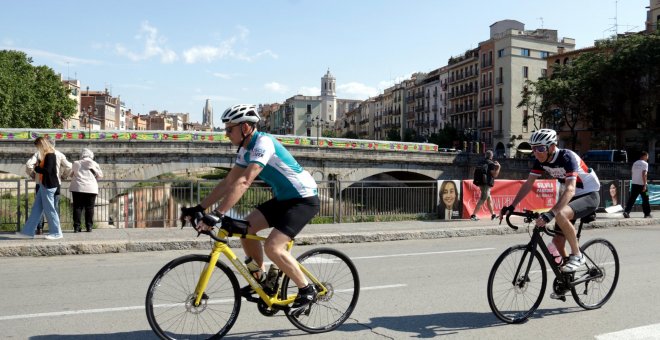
610, 194
449, 200
543, 196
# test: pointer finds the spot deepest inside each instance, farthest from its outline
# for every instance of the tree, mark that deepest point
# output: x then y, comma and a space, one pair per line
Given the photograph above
350, 135
31, 96
393, 135
531, 101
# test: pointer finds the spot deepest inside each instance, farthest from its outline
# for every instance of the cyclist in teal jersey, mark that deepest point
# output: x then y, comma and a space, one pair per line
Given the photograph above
294, 204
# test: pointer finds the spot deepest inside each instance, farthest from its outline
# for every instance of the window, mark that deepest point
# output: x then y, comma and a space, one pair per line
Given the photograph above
544, 54
544, 72
500, 53
525, 70
524, 52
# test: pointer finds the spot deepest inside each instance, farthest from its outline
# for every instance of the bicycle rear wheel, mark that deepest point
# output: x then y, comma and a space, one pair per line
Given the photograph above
600, 274
170, 300
338, 274
514, 292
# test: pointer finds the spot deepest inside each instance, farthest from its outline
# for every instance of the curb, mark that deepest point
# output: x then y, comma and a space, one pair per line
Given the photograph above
124, 246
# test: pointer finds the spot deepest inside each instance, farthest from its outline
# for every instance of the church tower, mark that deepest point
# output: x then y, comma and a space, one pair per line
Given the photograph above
328, 98
207, 114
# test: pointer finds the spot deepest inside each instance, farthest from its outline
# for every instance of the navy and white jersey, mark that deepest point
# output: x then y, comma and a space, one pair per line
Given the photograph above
280, 170
567, 164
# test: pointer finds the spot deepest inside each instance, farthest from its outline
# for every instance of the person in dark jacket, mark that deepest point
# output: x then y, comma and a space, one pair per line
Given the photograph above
44, 200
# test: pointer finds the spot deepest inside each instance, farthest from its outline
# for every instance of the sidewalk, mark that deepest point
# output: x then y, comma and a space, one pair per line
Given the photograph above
102, 241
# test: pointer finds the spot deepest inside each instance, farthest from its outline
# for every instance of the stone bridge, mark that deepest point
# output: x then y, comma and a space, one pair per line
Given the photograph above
139, 160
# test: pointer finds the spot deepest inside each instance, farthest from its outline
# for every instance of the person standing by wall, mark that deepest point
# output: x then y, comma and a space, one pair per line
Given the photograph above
84, 189
639, 186
491, 174
44, 201
63, 172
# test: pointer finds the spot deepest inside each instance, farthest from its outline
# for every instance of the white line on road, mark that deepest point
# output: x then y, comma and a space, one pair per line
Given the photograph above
649, 332
123, 309
420, 254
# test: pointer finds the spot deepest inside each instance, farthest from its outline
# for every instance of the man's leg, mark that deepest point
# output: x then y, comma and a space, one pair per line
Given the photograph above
564, 221
276, 251
482, 199
634, 192
646, 207
253, 248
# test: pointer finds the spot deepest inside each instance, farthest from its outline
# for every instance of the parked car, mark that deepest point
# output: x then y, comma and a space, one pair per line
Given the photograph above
612, 156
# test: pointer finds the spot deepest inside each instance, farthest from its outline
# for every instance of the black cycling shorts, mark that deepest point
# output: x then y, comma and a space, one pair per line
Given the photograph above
582, 206
290, 216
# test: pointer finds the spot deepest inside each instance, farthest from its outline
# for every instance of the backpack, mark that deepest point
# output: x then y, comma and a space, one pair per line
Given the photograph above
481, 174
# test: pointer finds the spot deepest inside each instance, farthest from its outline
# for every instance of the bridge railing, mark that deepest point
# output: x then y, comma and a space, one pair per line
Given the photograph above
157, 203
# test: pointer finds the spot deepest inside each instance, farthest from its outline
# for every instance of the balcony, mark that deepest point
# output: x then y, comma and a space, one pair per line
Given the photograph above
419, 108
499, 101
434, 108
499, 80
487, 102
487, 83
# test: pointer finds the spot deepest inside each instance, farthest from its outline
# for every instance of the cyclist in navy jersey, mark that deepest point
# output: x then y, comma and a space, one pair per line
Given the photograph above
294, 204
580, 196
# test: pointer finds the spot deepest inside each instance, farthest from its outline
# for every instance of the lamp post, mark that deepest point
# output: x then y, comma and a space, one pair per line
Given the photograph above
468, 134
318, 122
287, 125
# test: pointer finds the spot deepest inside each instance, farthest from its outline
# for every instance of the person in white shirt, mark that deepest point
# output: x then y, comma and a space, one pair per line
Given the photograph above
639, 186
84, 189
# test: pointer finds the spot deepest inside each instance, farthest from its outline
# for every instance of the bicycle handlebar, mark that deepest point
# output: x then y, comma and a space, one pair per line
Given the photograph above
529, 216
198, 218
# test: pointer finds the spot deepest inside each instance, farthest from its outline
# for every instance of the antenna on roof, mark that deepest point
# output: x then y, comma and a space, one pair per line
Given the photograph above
541, 18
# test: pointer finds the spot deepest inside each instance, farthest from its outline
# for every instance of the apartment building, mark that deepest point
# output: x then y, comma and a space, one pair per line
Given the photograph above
519, 55
73, 86
463, 90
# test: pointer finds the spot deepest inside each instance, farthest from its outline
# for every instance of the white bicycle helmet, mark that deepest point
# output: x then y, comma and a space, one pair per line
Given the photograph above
241, 113
545, 137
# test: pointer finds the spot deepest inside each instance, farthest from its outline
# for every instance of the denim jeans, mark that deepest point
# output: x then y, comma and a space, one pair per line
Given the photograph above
57, 208
44, 203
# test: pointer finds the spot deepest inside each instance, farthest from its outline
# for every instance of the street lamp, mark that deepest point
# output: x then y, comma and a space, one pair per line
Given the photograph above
88, 118
468, 134
318, 122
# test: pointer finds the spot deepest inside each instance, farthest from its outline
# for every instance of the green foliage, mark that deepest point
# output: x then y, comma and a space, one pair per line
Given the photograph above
409, 135
445, 138
613, 88
351, 135
216, 174
31, 96
393, 135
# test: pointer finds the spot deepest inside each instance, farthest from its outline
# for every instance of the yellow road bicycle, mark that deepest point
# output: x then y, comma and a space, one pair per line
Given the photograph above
198, 296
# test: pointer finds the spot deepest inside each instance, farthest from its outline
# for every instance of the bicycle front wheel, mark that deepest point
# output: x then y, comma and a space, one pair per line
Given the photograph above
170, 306
598, 278
337, 273
516, 284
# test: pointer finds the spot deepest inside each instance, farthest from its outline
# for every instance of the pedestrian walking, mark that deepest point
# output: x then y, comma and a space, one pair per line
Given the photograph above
63, 172
44, 201
639, 186
84, 189
493, 170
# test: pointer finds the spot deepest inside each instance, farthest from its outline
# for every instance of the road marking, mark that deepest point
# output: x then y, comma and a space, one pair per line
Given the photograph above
420, 254
649, 332
123, 309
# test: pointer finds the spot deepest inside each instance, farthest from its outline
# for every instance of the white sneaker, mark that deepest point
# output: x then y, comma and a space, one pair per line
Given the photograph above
574, 262
54, 237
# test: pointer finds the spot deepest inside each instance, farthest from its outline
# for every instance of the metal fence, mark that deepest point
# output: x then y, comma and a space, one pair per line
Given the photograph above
157, 203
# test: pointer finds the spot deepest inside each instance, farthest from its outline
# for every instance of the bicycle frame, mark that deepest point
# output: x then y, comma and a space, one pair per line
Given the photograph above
221, 247
536, 241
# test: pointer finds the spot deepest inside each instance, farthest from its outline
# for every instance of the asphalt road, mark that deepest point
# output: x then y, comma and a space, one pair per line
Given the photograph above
410, 289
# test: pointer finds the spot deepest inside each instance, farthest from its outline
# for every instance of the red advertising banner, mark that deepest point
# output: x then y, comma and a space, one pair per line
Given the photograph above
543, 196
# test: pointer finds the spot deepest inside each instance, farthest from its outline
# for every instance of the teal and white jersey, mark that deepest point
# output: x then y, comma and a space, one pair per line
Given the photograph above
280, 170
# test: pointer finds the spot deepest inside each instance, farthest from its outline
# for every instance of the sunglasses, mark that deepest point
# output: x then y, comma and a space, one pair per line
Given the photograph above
228, 129
540, 148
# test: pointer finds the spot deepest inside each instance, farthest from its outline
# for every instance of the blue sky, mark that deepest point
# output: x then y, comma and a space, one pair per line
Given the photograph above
172, 55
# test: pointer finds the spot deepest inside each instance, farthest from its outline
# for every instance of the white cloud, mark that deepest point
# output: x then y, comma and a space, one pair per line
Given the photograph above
153, 46
354, 90
309, 91
221, 75
276, 87
226, 49
61, 60
383, 84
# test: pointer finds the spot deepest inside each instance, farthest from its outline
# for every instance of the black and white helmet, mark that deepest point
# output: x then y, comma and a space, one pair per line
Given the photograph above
545, 137
241, 113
